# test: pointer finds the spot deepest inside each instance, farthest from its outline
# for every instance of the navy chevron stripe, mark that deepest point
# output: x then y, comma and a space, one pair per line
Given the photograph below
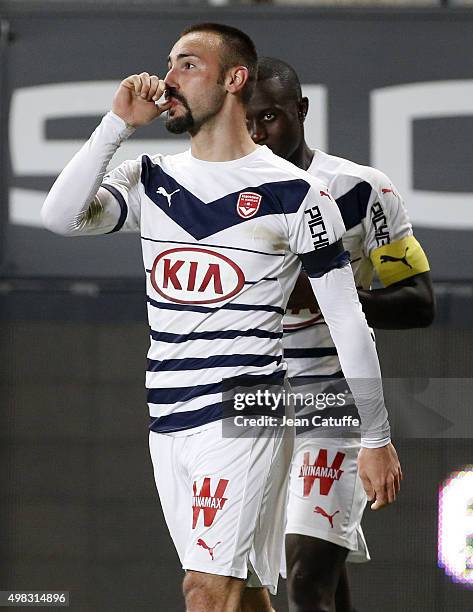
185, 420
216, 361
228, 334
206, 309
202, 219
309, 352
354, 203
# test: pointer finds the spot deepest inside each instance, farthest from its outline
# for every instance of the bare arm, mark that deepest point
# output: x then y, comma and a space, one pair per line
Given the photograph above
403, 305
406, 304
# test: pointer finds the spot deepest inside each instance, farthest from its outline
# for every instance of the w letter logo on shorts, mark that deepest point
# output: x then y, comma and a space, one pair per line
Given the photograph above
208, 503
320, 469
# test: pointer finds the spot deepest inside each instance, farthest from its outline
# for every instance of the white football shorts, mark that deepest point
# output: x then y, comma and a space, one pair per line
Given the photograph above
224, 500
326, 498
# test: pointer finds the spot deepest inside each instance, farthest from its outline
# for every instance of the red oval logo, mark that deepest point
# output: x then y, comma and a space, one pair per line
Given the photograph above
191, 275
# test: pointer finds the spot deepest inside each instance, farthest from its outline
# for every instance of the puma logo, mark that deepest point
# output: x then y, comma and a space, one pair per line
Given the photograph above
386, 258
211, 549
329, 517
168, 196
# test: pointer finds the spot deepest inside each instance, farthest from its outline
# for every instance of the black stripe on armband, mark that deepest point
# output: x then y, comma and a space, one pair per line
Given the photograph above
123, 207
317, 263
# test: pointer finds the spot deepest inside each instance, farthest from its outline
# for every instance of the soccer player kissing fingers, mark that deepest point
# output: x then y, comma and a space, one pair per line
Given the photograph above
135, 101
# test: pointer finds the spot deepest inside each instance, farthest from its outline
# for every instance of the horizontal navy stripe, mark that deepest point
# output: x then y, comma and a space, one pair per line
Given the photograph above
205, 309
173, 306
173, 395
306, 380
258, 281
216, 246
232, 306
216, 361
228, 334
186, 420
309, 352
123, 207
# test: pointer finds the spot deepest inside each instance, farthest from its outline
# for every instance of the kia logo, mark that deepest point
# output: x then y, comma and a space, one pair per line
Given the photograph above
190, 275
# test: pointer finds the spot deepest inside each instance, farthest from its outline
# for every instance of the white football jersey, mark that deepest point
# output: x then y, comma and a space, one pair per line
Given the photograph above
220, 243
374, 215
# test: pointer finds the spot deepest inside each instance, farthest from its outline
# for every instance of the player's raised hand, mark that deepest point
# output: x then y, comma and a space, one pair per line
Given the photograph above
135, 99
381, 474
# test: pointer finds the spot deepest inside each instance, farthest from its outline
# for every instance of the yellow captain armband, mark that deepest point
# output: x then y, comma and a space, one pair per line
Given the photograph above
399, 260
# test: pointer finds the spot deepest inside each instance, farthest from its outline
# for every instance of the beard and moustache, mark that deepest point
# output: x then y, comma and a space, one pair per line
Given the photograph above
183, 123
187, 122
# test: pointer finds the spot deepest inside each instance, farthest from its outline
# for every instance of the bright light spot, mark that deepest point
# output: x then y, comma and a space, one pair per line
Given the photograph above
455, 535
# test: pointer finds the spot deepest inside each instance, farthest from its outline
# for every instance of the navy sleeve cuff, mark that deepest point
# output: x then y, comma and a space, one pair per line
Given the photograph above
123, 207
317, 263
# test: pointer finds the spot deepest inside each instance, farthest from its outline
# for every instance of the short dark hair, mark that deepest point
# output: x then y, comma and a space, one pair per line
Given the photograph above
238, 50
272, 68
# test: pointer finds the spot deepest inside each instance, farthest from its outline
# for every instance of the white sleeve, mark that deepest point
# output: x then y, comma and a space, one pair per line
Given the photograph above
77, 204
315, 225
315, 231
386, 219
338, 300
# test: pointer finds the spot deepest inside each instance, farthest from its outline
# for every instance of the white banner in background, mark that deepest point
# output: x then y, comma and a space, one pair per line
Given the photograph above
393, 110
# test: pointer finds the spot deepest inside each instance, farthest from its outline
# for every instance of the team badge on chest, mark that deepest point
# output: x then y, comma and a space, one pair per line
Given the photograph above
248, 204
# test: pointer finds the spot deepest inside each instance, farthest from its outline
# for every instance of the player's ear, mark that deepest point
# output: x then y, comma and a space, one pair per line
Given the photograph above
236, 79
303, 108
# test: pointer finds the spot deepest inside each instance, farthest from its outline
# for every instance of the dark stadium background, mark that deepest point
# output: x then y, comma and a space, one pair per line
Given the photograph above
78, 508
